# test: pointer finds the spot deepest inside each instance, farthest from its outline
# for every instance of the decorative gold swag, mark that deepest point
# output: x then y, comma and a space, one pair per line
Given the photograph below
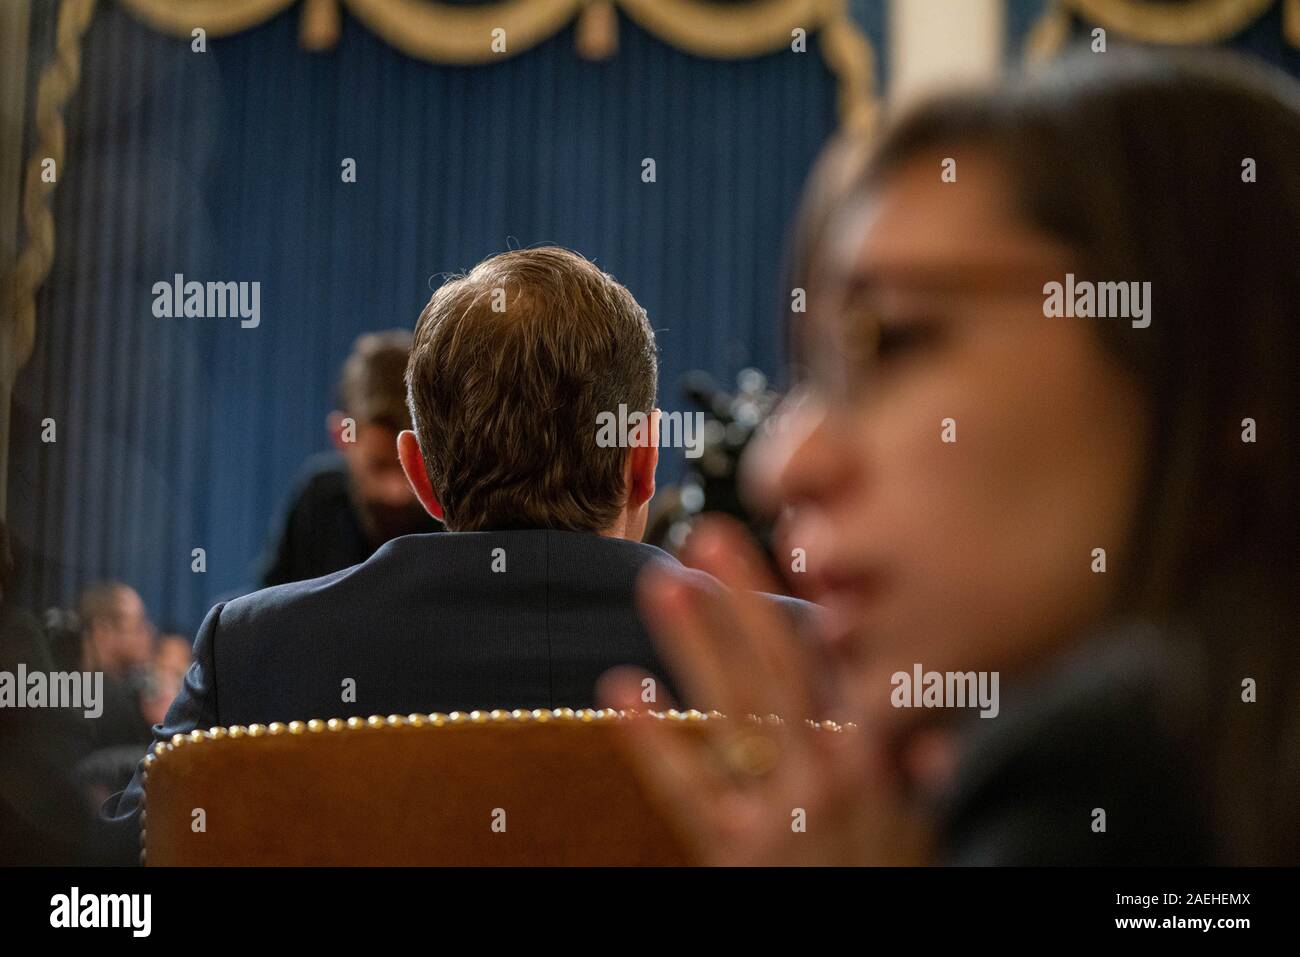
444, 33
440, 33
1152, 21
462, 34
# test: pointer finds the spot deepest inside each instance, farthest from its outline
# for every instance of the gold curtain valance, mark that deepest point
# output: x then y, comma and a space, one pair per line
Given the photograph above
463, 34
437, 32
1157, 21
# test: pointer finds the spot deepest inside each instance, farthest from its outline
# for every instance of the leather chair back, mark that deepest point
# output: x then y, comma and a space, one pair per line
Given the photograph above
505, 788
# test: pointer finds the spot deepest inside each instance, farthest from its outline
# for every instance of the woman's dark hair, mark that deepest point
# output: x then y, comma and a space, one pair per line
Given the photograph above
1141, 162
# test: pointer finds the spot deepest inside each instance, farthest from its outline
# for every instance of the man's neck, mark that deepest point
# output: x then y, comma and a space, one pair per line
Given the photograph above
618, 529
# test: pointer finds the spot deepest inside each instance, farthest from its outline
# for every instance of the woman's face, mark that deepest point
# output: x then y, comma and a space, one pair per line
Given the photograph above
975, 553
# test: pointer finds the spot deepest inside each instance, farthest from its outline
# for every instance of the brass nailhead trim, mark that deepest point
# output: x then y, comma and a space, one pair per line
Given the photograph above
438, 720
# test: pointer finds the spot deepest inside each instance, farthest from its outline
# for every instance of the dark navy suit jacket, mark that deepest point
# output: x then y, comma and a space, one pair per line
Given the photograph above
439, 622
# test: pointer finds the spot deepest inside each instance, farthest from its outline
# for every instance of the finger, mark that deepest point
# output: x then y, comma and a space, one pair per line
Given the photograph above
721, 546
695, 651
929, 759
784, 675
713, 629
674, 770
617, 681
758, 574
903, 831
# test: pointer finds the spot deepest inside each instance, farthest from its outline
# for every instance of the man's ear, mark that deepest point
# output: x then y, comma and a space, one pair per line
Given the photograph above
334, 426
408, 452
642, 461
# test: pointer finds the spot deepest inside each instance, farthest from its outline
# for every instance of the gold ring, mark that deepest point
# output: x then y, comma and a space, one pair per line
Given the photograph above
750, 754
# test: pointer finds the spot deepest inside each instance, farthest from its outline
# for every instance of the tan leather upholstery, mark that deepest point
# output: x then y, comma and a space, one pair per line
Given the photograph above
405, 791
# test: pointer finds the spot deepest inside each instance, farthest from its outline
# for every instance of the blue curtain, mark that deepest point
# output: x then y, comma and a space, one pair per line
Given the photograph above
175, 434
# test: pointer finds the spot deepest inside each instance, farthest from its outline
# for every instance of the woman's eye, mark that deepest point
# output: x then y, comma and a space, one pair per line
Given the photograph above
899, 339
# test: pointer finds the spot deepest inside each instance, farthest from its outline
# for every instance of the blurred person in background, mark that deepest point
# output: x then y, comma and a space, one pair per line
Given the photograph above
1148, 706
354, 499
173, 654
117, 639
142, 676
155, 686
171, 660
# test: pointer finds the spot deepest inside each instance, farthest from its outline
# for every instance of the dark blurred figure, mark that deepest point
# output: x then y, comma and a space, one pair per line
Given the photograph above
63, 638
42, 818
352, 500
117, 639
138, 690
171, 659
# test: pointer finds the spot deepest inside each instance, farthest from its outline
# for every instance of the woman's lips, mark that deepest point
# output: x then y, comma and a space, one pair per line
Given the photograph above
848, 586
855, 586
850, 599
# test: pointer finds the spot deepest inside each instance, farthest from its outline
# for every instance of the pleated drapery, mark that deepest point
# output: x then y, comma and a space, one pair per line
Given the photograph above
176, 434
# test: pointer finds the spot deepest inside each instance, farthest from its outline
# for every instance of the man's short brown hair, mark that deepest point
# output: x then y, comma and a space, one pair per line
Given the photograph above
372, 388
510, 368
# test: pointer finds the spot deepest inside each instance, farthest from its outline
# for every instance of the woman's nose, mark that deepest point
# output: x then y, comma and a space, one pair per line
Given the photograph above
794, 458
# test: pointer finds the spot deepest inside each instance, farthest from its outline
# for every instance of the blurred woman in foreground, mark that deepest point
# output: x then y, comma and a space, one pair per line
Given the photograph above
952, 462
